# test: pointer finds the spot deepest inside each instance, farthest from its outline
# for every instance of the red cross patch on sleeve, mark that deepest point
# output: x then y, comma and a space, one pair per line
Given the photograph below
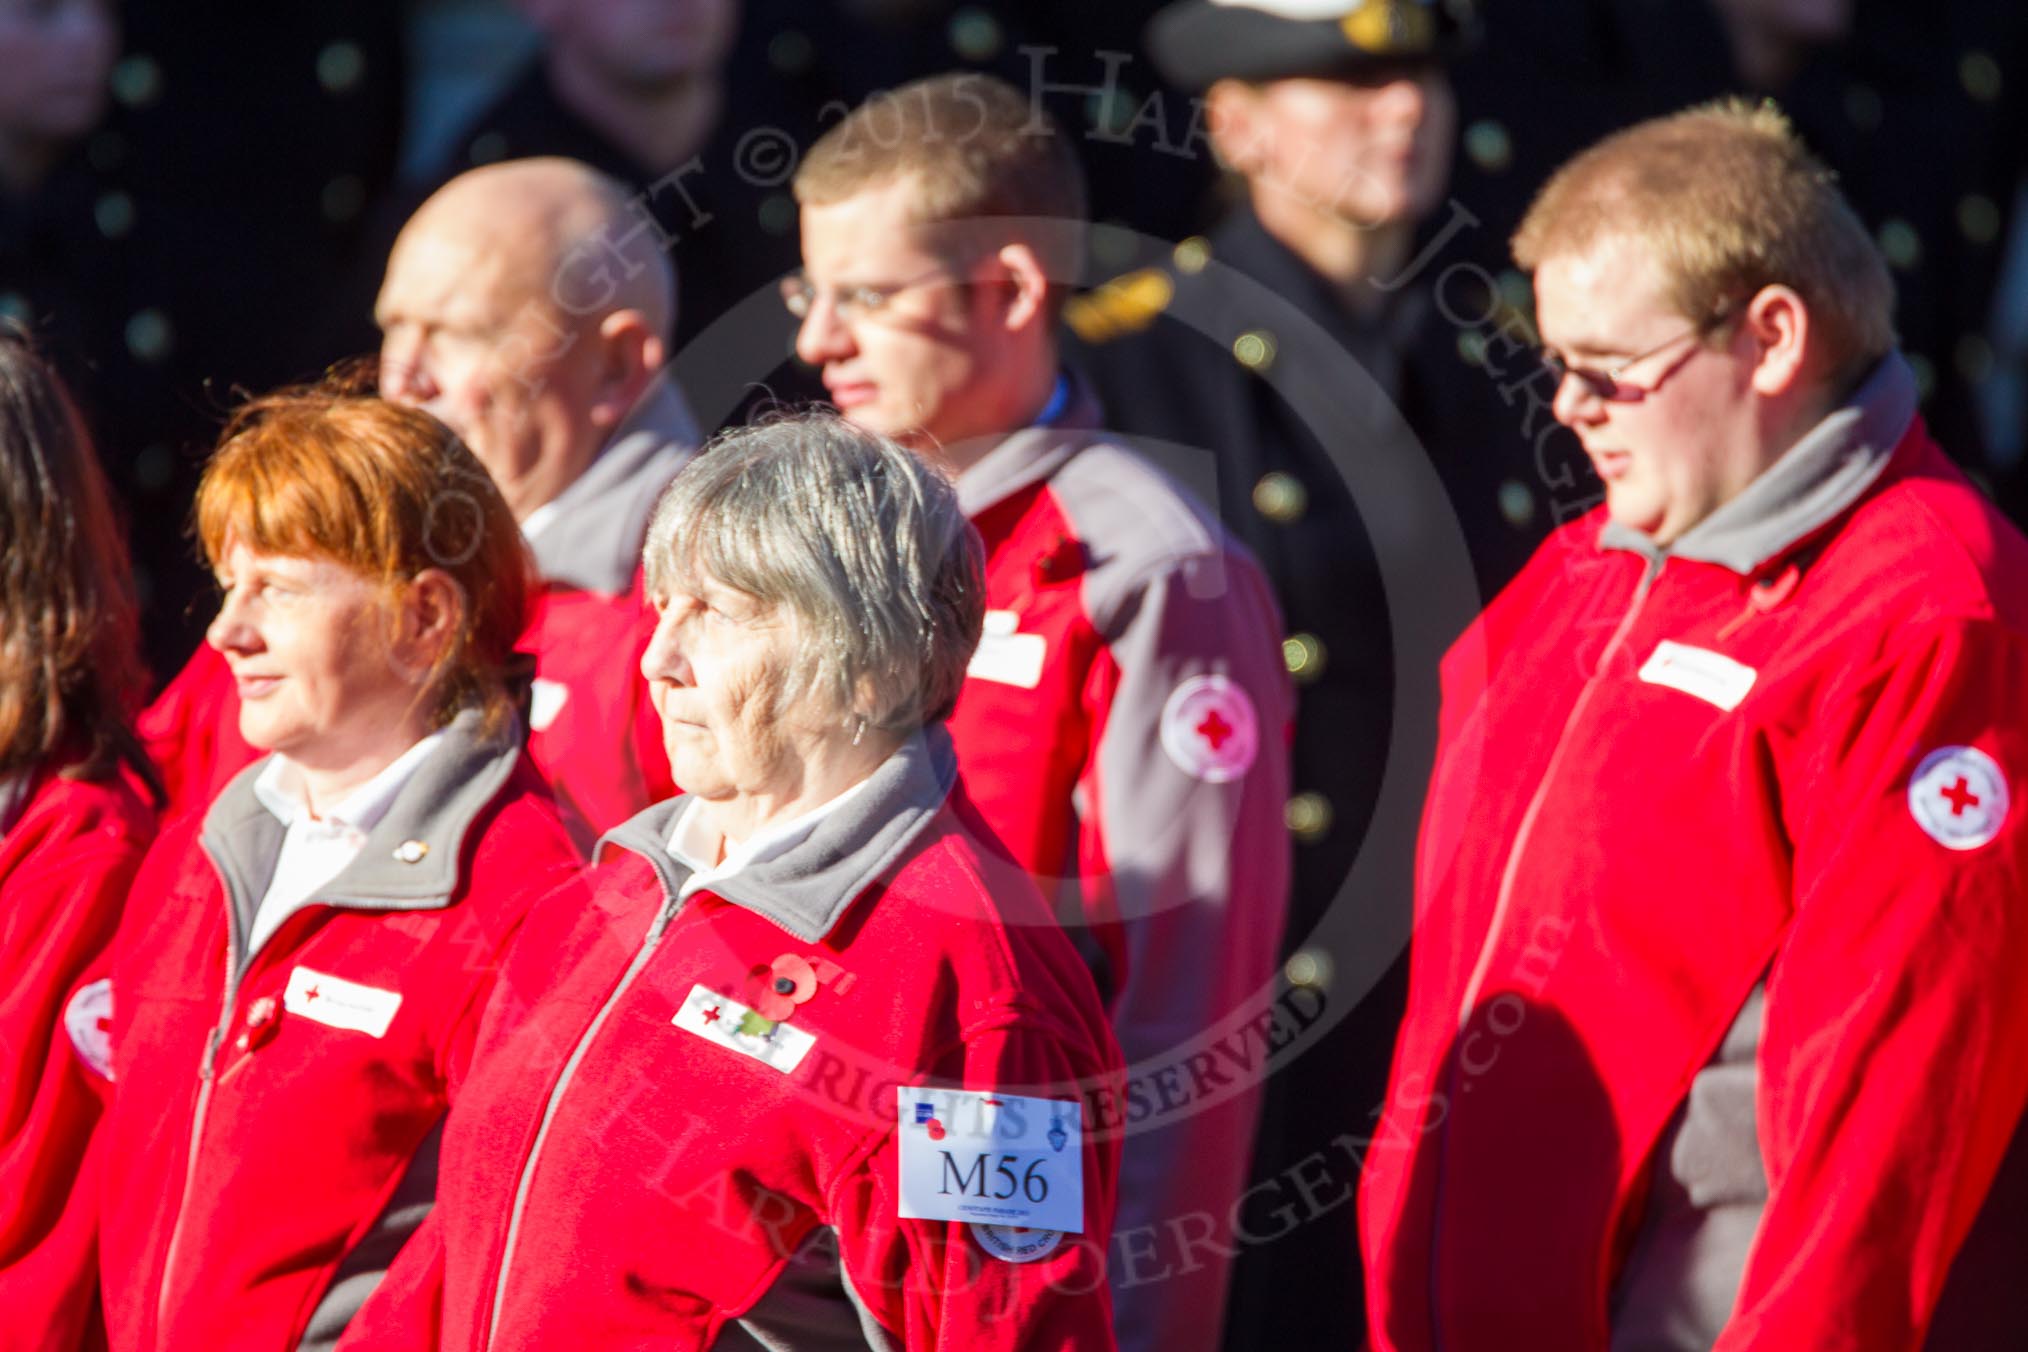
88, 1018
1958, 796
1209, 729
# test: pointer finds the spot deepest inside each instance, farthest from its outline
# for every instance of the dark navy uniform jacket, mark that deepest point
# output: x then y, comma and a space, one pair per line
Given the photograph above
1237, 368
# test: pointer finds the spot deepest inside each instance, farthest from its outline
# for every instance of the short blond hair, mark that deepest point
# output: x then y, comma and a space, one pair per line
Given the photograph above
974, 147
1728, 200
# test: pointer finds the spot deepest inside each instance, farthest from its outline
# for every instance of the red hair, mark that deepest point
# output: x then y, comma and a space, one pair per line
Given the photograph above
388, 492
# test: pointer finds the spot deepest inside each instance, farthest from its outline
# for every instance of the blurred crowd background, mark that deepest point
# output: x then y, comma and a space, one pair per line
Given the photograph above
193, 203
198, 203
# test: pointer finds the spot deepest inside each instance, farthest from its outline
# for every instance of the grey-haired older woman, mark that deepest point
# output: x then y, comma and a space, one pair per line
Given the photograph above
723, 1083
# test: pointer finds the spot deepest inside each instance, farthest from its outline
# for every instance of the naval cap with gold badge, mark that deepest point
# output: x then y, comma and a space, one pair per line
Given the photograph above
1196, 43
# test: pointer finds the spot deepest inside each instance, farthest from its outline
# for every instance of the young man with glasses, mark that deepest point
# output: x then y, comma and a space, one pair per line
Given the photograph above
1123, 724
1715, 1007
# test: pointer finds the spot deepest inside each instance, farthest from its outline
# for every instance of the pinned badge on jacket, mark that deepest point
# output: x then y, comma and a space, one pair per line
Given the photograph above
994, 1160
88, 1018
338, 1003
1005, 655
1210, 730
726, 1022
1958, 796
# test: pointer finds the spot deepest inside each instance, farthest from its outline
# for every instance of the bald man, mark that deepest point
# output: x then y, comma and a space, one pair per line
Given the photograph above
523, 308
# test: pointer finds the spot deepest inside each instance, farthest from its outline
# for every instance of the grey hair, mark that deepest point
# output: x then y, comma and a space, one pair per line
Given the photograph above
861, 541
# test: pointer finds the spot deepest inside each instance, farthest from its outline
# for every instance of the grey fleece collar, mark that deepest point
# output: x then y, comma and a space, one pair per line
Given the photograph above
1031, 454
808, 888
434, 810
594, 544
1813, 481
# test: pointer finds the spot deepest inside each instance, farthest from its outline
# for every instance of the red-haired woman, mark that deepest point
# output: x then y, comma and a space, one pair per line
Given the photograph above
73, 828
296, 995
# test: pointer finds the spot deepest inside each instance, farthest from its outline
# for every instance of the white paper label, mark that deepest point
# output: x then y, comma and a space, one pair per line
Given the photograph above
545, 702
1711, 677
991, 1159
338, 1003
1007, 656
730, 1024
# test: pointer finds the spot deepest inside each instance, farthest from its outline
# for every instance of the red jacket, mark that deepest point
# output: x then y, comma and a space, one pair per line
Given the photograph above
272, 1136
1124, 729
593, 733
1716, 986
68, 852
620, 1175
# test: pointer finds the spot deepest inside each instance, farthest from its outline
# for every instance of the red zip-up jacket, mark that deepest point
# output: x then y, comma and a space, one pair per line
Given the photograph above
1124, 727
620, 1174
1716, 1016
68, 852
592, 731
273, 1133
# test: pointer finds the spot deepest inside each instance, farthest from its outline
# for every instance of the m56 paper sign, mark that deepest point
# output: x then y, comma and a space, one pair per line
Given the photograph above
991, 1159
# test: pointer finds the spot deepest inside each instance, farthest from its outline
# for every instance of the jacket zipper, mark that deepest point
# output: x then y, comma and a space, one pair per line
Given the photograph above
1512, 870
647, 950
206, 1081
1509, 873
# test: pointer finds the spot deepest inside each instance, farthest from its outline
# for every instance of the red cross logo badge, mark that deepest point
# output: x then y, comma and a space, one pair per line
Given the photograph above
1210, 730
88, 1018
1958, 796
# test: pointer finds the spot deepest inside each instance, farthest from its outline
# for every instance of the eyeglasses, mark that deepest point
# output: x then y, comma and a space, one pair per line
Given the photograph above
854, 303
1604, 381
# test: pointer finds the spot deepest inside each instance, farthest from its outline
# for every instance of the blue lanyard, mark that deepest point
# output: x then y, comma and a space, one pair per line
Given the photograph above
1059, 399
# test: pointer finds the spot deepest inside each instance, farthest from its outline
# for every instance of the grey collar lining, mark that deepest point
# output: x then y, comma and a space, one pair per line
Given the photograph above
594, 544
1031, 454
807, 889
436, 809
1811, 484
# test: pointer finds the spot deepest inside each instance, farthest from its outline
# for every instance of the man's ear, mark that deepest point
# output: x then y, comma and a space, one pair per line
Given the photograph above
1027, 284
1777, 321
1229, 123
629, 355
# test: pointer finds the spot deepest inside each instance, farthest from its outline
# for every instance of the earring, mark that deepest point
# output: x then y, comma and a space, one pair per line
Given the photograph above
859, 730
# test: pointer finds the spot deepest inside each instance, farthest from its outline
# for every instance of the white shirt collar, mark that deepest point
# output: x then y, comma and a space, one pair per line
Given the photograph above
693, 841
540, 519
279, 787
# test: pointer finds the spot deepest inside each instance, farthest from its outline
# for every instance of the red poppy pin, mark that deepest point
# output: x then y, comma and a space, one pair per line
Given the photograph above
774, 990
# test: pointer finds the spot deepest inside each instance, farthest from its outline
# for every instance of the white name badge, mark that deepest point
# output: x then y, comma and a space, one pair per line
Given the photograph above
1005, 655
1711, 677
991, 1159
736, 1028
338, 1003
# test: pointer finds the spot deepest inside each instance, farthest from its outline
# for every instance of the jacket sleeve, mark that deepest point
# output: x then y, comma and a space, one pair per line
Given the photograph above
1891, 1074
61, 907
932, 1283
1184, 866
